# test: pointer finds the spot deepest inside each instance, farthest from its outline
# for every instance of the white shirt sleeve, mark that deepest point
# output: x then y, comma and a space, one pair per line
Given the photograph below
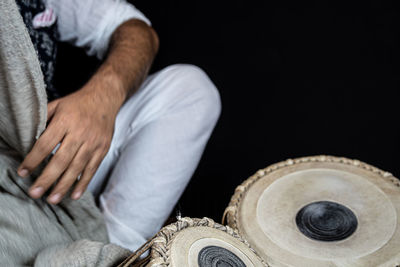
90, 23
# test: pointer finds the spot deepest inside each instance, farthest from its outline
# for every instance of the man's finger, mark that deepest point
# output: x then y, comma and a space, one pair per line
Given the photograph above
55, 168
87, 175
51, 108
41, 149
70, 175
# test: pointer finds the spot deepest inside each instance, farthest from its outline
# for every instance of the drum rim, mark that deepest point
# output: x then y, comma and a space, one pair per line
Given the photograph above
231, 215
160, 250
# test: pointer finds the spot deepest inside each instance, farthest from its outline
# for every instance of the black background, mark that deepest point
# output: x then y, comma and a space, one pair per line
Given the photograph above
306, 80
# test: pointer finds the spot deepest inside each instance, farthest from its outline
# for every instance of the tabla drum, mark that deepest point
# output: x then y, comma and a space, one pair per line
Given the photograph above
196, 243
320, 211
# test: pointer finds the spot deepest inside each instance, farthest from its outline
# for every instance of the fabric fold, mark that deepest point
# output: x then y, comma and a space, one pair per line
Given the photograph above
23, 102
34, 232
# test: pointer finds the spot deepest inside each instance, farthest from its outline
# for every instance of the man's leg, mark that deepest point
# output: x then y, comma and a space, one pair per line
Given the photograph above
159, 138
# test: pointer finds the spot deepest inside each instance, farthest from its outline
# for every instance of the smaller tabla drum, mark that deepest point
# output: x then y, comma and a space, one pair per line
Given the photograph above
320, 211
196, 243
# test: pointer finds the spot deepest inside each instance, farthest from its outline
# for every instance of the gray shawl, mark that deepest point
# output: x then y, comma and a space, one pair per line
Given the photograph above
33, 232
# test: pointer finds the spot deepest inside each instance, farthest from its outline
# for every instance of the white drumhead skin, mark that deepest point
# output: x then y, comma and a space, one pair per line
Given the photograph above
267, 213
280, 202
189, 242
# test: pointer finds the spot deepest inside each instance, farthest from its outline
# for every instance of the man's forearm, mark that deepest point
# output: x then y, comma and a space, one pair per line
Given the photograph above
132, 49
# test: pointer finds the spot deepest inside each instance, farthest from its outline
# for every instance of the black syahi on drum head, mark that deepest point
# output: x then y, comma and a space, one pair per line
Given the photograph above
326, 221
214, 256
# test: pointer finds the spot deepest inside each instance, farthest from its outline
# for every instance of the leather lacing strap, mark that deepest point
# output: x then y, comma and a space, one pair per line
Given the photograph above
132, 258
224, 216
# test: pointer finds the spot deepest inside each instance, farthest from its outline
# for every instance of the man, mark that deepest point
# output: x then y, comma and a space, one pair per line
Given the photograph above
133, 140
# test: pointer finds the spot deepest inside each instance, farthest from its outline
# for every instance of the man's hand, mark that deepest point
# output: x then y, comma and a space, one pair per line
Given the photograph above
83, 123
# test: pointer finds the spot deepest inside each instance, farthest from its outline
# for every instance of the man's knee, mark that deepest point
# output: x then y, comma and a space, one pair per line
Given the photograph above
195, 83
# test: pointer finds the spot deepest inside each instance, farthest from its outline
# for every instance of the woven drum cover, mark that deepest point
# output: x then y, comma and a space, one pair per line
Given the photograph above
320, 211
201, 242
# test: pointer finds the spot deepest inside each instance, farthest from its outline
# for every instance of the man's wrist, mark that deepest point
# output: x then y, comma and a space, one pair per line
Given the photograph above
132, 49
108, 86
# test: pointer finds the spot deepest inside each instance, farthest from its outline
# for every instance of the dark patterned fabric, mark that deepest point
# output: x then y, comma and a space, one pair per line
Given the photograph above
44, 41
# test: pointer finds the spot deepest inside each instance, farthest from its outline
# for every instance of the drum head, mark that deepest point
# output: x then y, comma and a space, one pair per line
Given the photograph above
320, 211
201, 243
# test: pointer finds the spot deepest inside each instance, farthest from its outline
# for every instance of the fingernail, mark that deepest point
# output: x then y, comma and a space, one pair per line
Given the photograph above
36, 192
55, 198
23, 172
76, 195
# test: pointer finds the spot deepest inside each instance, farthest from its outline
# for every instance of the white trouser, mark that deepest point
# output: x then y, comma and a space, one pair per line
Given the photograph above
160, 134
